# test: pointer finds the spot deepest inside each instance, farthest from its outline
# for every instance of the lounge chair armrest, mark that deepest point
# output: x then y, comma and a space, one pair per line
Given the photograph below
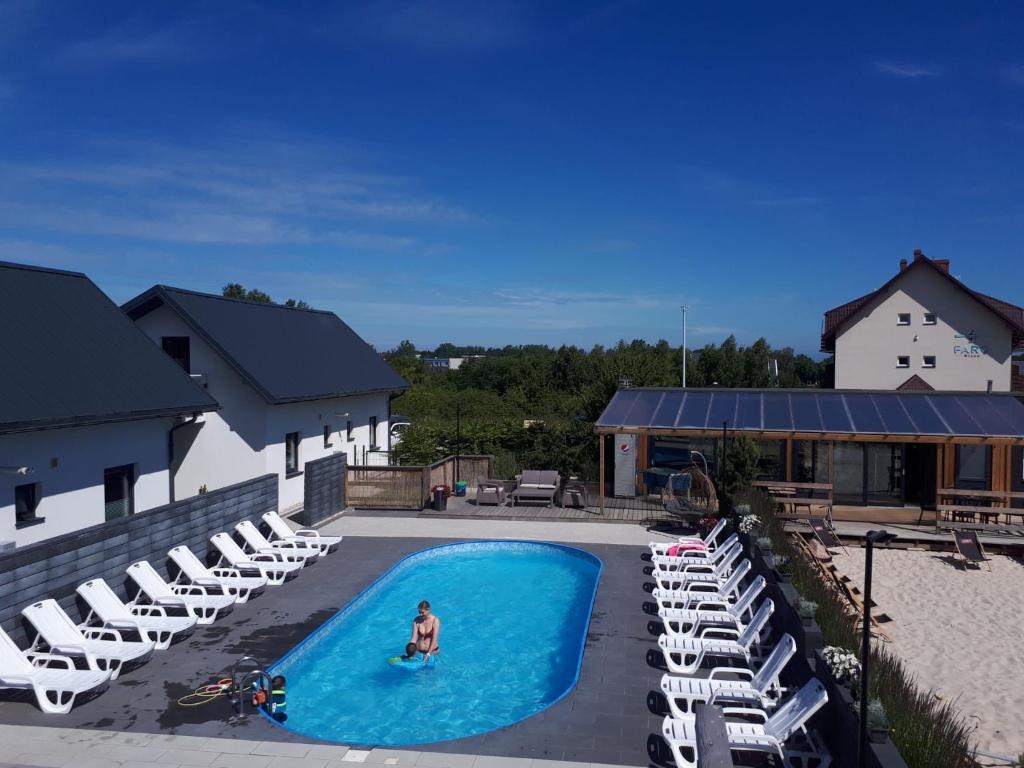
746, 712
69, 650
149, 610
716, 671
306, 533
115, 625
265, 557
224, 572
286, 544
46, 659
190, 589
712, 605
204, 581
732, 695
102, 633
697, 568
708, 633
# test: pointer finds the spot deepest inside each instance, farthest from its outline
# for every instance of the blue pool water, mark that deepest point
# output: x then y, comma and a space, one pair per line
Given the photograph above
514, 619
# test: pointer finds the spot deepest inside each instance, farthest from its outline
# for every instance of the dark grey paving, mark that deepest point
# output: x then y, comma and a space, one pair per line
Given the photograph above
605, 719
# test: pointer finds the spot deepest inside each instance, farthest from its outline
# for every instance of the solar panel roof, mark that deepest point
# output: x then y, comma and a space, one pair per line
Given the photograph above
965, 414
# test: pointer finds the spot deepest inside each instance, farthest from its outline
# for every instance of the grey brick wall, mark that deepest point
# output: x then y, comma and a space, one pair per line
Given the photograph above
55, 567
324, 493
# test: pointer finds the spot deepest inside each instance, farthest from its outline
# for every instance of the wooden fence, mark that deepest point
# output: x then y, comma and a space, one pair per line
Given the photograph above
409, 487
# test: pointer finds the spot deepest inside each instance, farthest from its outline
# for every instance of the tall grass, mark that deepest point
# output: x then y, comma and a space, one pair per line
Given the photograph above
928, 732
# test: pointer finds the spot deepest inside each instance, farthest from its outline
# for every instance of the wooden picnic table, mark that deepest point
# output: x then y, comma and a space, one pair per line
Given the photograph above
963, 505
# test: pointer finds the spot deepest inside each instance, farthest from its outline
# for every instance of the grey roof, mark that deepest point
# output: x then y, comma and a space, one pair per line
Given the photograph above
967, 414
70, 357
286, 354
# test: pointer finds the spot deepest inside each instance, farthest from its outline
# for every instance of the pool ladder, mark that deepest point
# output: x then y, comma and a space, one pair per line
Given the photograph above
243, 678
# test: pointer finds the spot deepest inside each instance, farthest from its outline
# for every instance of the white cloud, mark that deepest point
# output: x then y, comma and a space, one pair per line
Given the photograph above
904, 70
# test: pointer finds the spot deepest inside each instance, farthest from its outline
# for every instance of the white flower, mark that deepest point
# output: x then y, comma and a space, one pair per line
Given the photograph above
749, 523
842, 663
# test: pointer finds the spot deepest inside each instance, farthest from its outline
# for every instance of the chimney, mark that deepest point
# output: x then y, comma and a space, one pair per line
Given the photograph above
942, 264
903, 264
918, 254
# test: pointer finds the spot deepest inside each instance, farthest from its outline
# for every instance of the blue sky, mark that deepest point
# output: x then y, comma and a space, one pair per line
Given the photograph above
507, 172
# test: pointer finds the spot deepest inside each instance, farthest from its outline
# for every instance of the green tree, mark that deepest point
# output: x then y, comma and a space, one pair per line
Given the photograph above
238, 291
297, 304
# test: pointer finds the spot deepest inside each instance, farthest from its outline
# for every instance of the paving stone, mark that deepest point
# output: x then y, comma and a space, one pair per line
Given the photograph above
281, 748
296, 762
240, 761
187, 757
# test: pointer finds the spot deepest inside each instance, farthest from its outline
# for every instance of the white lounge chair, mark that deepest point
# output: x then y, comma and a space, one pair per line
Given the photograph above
761, 689
232, 581
689, 622
741, 645
698, 556
709, 541
769, 736
694, 591
256, 543
151, 621
203, 603
103, 648
52, 677
677, 574
280, 530
275, 570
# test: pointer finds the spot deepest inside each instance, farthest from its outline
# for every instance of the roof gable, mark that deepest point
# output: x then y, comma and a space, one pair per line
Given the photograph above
837, 317
71, 358
286, 354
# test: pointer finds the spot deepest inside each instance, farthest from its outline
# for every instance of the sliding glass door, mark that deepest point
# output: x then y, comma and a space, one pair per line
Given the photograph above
848, 474
868, 474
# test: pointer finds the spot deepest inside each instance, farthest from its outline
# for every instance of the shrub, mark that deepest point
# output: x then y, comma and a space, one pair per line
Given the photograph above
876, 715
748, 523
805, 608
764, 542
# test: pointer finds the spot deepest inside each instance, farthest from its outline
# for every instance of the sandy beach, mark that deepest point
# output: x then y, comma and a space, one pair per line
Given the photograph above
960, 632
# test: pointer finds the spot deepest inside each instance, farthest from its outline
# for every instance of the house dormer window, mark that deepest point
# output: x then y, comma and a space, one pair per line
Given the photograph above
903, 318
903, 361
929, 318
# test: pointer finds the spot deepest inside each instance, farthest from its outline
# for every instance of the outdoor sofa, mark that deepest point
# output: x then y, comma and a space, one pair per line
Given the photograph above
536, 485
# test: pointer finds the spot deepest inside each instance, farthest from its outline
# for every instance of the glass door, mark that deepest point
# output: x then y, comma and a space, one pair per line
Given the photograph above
848, 474
119, 491
884, 479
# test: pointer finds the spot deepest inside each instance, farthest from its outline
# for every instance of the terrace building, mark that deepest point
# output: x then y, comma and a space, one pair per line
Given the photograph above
88, 408
293, 385
924, 330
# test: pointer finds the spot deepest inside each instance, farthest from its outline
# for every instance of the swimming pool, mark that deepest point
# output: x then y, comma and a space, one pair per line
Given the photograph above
514, 622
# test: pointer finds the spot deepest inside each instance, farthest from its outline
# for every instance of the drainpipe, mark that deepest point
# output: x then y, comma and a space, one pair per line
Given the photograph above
170, 452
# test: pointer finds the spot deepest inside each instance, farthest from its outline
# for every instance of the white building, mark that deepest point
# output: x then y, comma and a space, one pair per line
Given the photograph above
293, 385
87, 408
924, 329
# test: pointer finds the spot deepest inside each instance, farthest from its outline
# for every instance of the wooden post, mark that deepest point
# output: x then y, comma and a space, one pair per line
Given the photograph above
789, 460
940, 451
600, 464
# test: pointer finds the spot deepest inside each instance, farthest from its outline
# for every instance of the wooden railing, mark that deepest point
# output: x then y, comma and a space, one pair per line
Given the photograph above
409, 487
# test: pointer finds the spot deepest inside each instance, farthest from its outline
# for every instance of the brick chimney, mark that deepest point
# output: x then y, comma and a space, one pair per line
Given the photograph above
942, 264
918, 254
903, 264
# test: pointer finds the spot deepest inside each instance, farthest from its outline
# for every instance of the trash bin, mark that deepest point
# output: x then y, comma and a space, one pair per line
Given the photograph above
460, 488
440, 494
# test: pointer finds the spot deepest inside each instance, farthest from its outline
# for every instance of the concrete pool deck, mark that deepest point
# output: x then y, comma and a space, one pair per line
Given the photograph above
604, 720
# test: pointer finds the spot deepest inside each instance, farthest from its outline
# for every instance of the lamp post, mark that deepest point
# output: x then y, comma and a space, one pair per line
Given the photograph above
458, 439
873, 537
683, 307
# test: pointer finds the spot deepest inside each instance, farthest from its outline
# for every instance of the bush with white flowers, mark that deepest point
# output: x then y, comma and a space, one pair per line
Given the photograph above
843, 664
749, 523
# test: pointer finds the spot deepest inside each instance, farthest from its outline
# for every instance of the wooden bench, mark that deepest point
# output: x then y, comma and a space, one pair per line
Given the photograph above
963, 505
789, 497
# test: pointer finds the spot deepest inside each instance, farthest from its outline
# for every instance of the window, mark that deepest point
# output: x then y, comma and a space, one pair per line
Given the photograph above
903, 318
119, 491
327, 435
348, 431
903, 361
929, 318
291, 454
928, 361
973, 467
177, 347
373, 431
26, 501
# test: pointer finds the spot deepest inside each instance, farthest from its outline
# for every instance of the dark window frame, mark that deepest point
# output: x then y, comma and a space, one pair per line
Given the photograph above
926, 364
972, 483
348, 431
900, 359
21, 518
372, 424
901, 315
292, 442
930, 318
185, 361
327, 436
131, 470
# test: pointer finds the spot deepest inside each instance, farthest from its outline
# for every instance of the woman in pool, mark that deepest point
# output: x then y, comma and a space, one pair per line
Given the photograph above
426, 631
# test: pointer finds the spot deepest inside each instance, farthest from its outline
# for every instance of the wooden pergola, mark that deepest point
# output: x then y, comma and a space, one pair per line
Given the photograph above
824, 416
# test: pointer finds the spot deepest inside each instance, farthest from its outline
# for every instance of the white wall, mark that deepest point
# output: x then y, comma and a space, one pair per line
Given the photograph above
308, 419
245, 438
868, 346
228, 447
72, 491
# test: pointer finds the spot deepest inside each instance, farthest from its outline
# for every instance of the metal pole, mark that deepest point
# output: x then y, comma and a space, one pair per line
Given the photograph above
865, 651
458, 439
683, 307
